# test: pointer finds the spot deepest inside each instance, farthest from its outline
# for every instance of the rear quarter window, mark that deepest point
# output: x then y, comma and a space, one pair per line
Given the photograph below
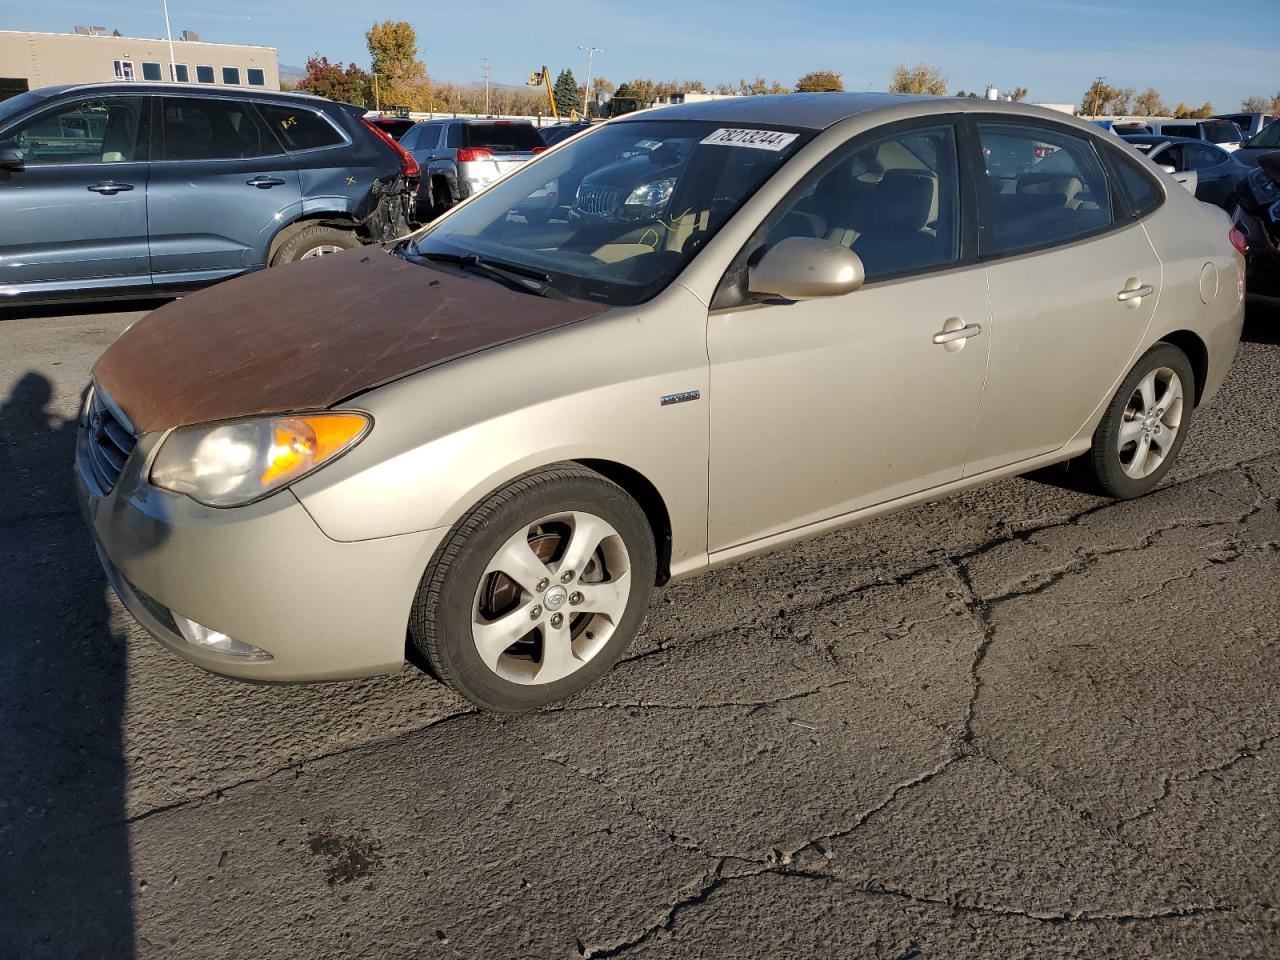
1138, 187
299, 128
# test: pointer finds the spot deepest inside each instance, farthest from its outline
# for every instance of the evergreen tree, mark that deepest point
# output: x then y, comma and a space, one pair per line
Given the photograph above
567, 97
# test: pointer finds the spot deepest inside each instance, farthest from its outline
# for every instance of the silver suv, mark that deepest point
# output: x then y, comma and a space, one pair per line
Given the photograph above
462, 157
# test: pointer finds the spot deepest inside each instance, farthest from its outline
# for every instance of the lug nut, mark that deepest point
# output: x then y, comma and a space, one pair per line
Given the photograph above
557, 619
542, 584
575, 598
535, 611
566, 576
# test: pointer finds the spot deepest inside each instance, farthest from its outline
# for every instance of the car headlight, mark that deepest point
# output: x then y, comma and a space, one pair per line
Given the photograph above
229, 464
648, 197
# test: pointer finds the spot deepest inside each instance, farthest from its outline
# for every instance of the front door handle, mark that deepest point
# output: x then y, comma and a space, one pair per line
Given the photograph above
110, 188
955, 334
265, 183
1135, 293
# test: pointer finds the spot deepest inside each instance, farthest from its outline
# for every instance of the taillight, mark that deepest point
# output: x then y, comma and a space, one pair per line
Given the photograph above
537, 150
1239, 239
408, 166
470, 154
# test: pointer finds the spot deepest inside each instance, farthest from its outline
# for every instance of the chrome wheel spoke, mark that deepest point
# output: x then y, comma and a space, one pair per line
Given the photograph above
494, 637
607, 599
1147, 391
1137, 467
1130, 431
1171, 395
558, 659
588, 532
518, 561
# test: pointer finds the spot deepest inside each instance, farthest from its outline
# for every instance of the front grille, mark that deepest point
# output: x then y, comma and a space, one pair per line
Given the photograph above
108, 440
597, 201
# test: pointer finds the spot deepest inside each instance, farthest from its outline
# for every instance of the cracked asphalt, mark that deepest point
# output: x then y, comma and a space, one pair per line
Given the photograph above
1022, 722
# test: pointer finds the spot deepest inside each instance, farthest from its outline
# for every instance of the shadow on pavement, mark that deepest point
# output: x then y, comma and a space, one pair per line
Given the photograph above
1261, 324
65, 885
77, 308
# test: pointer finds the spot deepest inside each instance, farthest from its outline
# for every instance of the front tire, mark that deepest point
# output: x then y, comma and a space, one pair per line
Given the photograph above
315, 241
1145, 425
537, 591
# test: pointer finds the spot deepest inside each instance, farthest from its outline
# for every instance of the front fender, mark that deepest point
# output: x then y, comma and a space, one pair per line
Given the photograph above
445, 438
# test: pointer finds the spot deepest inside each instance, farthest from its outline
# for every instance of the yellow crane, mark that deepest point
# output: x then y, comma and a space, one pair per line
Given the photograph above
543, 78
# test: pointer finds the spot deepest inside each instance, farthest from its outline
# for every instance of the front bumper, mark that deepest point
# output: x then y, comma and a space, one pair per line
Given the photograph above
263, 573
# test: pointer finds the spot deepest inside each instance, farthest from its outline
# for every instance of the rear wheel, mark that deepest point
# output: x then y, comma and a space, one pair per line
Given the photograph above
1145, 425
537, 592
441, 196
314, 241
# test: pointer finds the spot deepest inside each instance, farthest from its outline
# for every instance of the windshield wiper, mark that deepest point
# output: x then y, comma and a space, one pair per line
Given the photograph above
524, 278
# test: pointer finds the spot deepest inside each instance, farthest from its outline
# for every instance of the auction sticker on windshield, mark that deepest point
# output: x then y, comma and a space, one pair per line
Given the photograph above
757, 139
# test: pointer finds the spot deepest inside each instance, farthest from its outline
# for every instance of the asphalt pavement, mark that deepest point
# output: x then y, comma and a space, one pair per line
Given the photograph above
1019, 722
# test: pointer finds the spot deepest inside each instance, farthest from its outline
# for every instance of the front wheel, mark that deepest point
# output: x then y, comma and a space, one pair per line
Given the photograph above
1145, 425
314, 241
536, 592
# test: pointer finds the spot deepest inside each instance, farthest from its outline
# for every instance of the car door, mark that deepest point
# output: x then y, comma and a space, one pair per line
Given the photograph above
221, 187
1073, 287
1216, 172
75, 214
822, 407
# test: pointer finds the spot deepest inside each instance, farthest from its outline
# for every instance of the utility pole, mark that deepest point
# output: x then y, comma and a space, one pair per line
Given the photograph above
377, 103
586, 100
486, 86
1097, 92
168, 32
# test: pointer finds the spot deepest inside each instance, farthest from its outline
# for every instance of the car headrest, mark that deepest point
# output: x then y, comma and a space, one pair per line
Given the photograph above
903, 199
1051, 184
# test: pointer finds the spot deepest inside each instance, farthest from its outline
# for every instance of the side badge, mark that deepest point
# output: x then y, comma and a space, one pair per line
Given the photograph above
684, 397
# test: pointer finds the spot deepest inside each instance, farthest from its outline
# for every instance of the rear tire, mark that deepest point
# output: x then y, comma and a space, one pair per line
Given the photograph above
1145, 425
314, 241
537, 591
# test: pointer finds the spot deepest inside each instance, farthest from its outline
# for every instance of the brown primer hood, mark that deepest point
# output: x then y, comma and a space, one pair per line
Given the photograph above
309, 335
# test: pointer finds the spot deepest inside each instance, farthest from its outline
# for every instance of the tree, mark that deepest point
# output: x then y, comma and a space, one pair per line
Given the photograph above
1257, 104
566, 88
920, 79
400, 77
760, 86
1149, 104
348, 84
1102, 98
820, 81
1183, 112
1019, 94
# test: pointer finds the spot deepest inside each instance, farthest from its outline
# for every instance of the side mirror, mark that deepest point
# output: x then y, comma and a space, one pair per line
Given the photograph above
1167, 168
805, 268
10, 155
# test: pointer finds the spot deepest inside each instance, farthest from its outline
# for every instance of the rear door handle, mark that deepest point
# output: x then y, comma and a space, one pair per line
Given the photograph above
1136, 293
110, 187
265, 183
959, 333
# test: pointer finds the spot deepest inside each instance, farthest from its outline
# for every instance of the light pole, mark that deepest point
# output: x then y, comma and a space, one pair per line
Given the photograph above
168, 32
486, 86
591, 52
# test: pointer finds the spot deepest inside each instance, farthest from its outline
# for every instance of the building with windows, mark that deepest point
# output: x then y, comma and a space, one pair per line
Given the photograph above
91, 55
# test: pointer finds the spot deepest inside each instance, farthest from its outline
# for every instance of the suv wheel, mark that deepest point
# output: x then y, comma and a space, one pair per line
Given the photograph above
1144, 426
536, 592
314, 241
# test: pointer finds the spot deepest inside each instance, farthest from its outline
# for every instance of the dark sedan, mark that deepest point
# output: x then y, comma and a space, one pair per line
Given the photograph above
1267, 141
1218, 173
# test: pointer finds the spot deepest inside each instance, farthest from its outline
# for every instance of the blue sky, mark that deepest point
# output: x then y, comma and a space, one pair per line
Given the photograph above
1189, 50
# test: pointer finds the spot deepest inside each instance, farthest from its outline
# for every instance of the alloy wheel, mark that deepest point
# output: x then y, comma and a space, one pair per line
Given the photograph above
1149, 427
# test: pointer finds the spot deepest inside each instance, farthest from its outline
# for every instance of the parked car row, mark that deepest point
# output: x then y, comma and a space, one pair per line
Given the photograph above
122, 189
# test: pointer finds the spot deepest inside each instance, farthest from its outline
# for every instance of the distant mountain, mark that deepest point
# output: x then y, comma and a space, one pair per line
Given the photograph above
291, 74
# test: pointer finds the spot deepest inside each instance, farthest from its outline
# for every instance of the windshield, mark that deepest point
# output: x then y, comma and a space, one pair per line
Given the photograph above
614, 215
16, 105
1268, 137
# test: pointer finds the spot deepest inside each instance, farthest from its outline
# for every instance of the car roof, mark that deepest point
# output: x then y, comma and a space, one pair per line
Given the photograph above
189, 88
818, 111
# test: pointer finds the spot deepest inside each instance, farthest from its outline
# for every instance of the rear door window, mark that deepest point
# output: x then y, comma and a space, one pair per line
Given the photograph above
205, 128
1200, 156
299, 128
1034, 197
501, 137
